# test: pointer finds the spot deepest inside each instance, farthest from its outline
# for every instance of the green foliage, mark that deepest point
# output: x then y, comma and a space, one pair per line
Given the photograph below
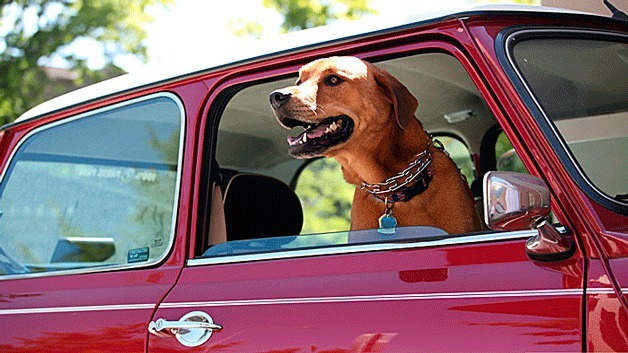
325, 196
506, 157
245, 29
39, 29
460, 154
301, 14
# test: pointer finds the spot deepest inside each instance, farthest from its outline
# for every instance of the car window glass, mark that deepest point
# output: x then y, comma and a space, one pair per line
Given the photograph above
327, 239
92, 191
581, 85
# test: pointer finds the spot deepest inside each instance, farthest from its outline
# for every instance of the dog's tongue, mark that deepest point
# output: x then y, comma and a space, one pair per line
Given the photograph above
312, 133
317, 131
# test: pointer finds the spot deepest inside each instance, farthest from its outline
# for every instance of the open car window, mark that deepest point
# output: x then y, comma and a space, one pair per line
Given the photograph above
250, 141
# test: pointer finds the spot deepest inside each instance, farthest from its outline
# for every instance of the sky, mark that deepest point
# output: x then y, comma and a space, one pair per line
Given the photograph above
191, 30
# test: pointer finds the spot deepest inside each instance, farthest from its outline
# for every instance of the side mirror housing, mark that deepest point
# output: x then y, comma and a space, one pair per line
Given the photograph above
515, 201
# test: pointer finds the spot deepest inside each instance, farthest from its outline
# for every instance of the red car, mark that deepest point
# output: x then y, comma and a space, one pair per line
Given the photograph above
161, 211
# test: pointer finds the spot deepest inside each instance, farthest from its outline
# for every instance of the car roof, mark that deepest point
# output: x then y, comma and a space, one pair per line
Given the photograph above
154, 74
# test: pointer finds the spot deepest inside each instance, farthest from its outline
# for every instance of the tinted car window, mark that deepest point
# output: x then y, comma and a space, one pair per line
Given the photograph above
94, 190
581, 85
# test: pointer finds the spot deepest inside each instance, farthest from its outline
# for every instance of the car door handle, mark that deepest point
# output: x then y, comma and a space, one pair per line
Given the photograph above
192, 330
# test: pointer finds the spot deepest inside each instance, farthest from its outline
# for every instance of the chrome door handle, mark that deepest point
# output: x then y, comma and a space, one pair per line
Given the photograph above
192, 330
176, 326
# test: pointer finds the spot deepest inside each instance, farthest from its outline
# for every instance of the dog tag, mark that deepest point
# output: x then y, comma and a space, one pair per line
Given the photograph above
387, 224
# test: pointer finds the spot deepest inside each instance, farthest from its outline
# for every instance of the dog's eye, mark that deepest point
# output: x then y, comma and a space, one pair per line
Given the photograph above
333, 80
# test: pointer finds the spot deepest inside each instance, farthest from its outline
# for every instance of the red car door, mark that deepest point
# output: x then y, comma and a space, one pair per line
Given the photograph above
88, 206
459, 294
419, 290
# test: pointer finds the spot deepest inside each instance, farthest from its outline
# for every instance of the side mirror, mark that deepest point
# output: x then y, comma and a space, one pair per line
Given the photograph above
515, 201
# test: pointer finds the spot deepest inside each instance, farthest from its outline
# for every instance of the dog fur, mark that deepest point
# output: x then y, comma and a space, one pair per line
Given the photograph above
385, 138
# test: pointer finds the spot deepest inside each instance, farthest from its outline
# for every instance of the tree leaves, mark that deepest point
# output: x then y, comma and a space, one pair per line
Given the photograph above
33, 31
302, 14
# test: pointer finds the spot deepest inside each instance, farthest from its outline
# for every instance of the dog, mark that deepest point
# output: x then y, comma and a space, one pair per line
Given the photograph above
364, 118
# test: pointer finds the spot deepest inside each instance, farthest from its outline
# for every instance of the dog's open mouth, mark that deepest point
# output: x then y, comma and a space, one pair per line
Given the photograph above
317, 138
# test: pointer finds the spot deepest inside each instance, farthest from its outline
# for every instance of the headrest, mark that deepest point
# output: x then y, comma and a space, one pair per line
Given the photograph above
259, 206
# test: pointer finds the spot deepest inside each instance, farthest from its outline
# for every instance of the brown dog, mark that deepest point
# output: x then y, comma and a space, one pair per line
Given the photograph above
364, 118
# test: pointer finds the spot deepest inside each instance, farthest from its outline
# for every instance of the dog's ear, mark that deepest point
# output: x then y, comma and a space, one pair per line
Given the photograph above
404, 103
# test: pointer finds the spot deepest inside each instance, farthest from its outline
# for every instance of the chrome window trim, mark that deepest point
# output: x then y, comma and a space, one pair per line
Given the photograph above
353, 249
558, 292
106, 268
509, 44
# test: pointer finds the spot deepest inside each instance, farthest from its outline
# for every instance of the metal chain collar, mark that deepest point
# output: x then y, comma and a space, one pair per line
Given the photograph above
405, 177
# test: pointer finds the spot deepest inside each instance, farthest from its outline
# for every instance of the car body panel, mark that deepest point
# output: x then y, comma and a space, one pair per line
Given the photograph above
405, 300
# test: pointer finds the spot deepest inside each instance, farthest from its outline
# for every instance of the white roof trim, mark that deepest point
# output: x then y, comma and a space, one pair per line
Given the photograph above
154, 74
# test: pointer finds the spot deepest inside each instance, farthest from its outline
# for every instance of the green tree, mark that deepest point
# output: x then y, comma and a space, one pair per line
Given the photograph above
302, 14
32, 31
325, 197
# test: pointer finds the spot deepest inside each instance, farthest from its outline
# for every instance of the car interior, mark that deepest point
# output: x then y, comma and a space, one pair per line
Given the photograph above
585, 107
255, 168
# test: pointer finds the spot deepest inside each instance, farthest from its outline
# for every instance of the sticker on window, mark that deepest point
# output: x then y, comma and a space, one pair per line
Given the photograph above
137, 255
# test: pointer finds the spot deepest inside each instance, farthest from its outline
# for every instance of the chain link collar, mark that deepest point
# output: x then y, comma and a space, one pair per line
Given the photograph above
409, 182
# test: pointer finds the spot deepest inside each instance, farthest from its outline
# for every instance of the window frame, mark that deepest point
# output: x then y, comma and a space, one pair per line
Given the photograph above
504, 45
178, 177
229, 86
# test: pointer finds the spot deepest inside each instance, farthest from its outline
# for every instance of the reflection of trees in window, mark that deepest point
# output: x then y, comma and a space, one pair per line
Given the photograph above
155, 194
102, 182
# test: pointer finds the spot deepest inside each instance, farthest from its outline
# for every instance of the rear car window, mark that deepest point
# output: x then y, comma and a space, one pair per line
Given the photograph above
581, 85
95, 190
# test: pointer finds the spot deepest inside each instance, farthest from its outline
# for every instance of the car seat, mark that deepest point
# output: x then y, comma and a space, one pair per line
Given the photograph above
253, 206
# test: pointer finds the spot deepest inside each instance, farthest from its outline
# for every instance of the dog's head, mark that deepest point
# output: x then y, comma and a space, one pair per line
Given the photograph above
342, 102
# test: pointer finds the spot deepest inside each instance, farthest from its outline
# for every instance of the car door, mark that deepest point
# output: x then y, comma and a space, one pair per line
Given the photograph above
88, 206
419, 290
583, 115
468, 293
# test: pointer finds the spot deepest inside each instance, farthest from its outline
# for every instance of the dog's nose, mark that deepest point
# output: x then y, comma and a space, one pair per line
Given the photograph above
277, 99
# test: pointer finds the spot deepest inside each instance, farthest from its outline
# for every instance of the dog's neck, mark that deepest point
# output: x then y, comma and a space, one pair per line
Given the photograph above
386, 157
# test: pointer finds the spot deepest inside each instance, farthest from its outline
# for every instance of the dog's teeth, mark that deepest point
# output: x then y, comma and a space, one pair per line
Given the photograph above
304, 139
333, 126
